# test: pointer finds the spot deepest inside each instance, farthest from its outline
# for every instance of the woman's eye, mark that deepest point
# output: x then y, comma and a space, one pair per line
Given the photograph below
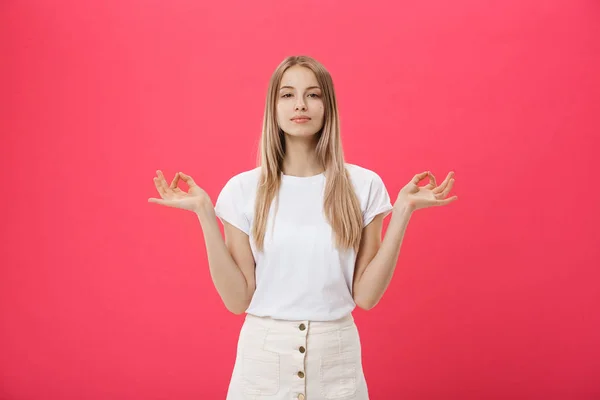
312, 95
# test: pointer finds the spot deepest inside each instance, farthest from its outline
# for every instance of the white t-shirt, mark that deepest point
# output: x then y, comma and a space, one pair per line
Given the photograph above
300, 275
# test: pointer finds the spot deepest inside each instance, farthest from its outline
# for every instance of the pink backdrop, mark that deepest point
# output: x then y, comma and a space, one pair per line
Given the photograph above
104, 296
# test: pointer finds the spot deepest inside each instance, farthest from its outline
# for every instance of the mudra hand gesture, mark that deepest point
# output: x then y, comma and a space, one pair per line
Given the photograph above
413, 197
171, 196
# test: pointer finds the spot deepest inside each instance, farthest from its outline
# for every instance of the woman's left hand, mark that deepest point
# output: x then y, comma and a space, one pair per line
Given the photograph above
413, 197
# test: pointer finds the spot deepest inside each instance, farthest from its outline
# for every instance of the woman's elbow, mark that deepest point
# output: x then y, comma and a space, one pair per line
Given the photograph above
365, 304
236, 308
239, 304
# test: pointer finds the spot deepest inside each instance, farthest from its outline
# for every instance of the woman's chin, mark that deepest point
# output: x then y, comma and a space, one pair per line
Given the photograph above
301, 133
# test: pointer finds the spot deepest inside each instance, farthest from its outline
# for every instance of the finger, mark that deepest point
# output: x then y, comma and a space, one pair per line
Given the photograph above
419, 177
175, 181
442, 187
432, 183
162, 179
447, 189
159, 187
163, 202
187, 179
446, 201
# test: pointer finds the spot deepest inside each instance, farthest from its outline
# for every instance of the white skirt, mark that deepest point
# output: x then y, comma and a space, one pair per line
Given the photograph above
298, 360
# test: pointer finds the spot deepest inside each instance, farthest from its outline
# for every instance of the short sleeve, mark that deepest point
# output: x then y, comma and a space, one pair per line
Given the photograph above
378, 201
230, 206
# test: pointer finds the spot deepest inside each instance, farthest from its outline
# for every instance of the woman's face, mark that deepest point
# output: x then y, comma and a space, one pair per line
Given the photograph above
300, 107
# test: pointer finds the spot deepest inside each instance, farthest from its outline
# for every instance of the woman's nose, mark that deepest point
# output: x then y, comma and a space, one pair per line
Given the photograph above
300, 106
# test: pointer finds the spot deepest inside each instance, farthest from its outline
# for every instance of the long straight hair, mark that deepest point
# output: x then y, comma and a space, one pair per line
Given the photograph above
341, 205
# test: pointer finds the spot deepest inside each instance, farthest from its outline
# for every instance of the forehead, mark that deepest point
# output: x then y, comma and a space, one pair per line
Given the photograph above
299, 77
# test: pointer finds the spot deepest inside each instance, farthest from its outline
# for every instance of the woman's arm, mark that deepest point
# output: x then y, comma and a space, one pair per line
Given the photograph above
376, 259
230, 261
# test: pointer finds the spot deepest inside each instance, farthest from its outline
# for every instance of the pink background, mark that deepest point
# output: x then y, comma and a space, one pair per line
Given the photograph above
104, 296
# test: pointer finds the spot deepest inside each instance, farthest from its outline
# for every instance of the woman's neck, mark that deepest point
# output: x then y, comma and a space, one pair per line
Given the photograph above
301, 157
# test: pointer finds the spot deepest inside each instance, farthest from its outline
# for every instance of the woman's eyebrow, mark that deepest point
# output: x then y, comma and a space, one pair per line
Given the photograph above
291, 87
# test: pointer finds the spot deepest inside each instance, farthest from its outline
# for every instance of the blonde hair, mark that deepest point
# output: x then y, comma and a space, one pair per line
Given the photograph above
341, 205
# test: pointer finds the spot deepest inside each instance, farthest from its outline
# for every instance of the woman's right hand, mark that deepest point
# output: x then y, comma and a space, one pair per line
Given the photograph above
195, 199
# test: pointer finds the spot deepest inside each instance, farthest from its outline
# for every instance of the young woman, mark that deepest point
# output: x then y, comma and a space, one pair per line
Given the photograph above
302, 244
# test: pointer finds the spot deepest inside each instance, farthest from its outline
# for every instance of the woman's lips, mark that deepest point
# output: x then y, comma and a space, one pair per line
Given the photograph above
300, 120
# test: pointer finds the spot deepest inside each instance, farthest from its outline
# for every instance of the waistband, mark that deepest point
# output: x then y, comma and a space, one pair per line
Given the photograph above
313, 327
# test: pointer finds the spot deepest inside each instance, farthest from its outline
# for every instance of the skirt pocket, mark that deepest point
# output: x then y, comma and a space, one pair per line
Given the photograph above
338, 375
260, 372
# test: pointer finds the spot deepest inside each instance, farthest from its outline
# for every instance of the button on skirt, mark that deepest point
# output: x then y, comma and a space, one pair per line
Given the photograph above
298, 360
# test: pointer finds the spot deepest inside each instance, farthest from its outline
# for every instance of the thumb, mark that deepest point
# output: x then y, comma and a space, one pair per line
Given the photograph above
187, 179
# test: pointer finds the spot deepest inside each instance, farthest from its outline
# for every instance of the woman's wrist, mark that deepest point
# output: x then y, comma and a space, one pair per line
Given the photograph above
403, 207
205, 211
